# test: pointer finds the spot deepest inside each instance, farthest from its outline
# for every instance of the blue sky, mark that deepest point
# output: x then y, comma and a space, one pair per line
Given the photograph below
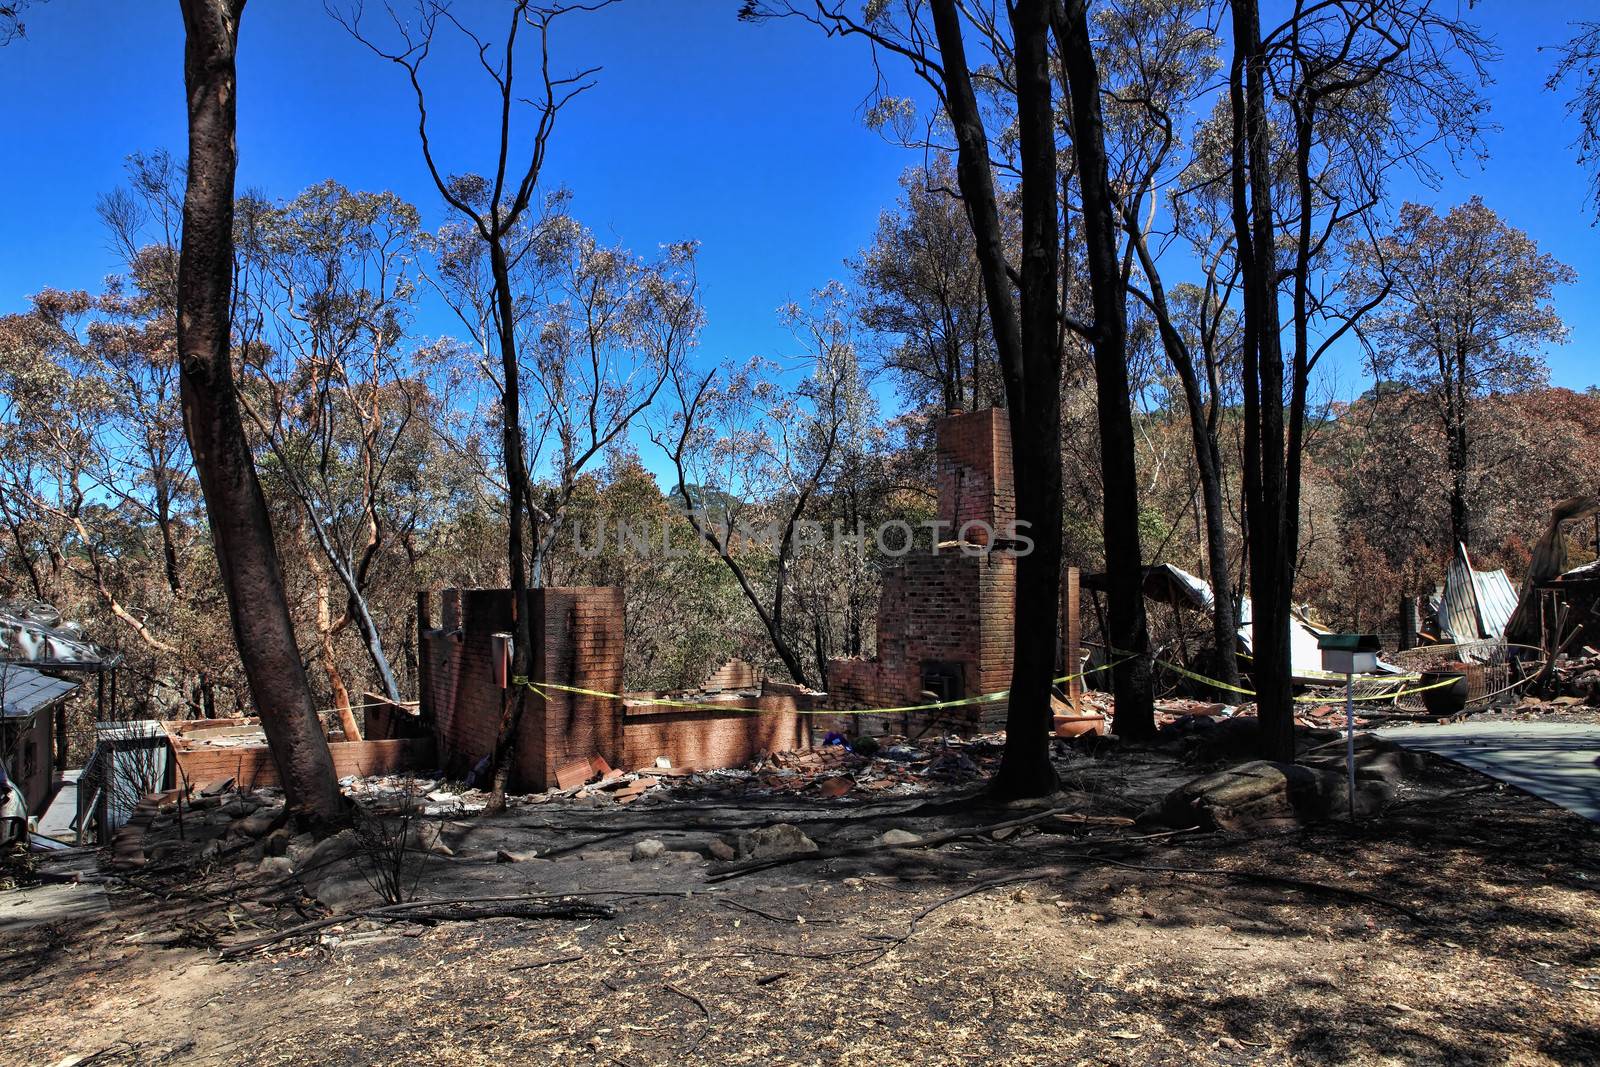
747, 139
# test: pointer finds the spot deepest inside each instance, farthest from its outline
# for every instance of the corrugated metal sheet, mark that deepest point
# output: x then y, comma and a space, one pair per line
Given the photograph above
1305, 658
1170, 585
34, 633
1477, 604
23, 691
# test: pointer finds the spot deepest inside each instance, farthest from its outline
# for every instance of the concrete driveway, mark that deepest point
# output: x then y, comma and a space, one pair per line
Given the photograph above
1555, 761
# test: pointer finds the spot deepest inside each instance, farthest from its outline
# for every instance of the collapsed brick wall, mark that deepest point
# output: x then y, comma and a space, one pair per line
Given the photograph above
946, 613
577, 641
252, 765
705, 739
734, 674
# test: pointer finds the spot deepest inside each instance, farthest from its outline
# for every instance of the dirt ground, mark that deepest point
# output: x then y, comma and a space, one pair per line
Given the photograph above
1459, 928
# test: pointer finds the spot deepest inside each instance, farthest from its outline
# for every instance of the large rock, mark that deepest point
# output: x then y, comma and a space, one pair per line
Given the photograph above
428, 837
1263, 795
259, 823
648, 849
771, 842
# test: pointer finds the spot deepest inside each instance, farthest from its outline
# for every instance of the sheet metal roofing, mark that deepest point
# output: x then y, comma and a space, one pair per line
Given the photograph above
1477, 604
34, 633
24, 691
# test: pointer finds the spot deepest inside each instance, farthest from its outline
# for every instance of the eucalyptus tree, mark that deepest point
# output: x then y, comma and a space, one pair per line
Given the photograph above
999, 109
1322, 109
923, 293
240, 527
751, 453
1579, 69
600, 332
491, 207
1469, 311
327, 281
1158, 59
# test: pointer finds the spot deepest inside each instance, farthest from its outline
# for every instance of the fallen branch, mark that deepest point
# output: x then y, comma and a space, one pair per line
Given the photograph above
466, 909
931, 841
795, 919
573, 958
705, 1011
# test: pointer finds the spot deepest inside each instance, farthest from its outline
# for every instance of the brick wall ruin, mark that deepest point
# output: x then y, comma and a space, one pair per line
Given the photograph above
945, 616
578, 642
704, 739
209, 750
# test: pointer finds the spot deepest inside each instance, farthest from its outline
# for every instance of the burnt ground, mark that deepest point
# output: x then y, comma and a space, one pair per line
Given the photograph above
1460, 928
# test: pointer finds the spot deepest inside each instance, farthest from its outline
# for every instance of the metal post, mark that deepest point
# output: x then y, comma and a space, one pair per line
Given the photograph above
1350, 738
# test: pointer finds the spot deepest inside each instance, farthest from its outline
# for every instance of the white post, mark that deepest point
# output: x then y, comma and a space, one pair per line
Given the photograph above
1350, 738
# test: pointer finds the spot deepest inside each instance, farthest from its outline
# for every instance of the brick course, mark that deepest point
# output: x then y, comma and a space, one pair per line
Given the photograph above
705, 739
252, 765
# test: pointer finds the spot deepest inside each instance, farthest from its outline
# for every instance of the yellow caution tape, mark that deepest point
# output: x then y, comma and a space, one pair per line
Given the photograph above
1314, 700
1219, 684
987, 698
707, 705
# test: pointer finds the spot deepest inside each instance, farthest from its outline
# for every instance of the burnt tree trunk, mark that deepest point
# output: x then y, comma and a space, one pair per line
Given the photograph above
515, 700
1203, 420
1265, 486
1030, 362
235, 507
1129, 635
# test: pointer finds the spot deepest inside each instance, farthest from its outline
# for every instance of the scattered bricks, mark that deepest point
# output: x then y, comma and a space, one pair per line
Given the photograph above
573, 773
636, 787
830, 788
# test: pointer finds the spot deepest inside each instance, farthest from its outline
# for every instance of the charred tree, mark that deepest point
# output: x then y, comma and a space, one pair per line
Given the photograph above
1129, 635
235, 505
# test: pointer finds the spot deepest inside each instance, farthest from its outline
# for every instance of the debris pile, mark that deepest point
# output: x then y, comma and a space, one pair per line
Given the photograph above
891, 765
1578, 679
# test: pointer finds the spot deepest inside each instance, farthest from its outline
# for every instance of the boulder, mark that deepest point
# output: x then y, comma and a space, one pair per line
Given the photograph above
771, 842
426, 837
259, 823
898, 838
682, 856
507, 856
648, 849
1264, 795
276, 843
300, 846
278, 866
329, 851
